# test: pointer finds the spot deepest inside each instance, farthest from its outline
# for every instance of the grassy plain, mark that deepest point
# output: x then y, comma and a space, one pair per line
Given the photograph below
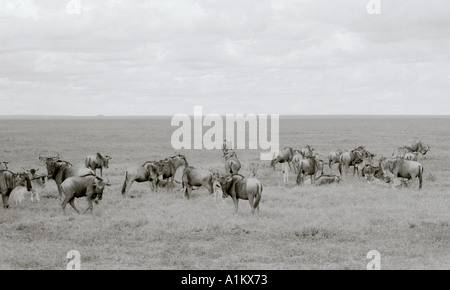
332, 227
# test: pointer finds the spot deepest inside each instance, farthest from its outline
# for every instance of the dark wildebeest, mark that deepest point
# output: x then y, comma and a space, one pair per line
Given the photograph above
232, 163
97, 161
327, 179
60, 170
142, 173
352, 158
284, 155
334, 157
9, 181
239, 187
89, 185
199, 177
399, 167
37, 183
166, 170
307, 166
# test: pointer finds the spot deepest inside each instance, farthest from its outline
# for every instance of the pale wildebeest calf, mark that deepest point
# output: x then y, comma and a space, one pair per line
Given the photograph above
37, 183
90, 186
327, 179
200, 177
239, 187
97, 161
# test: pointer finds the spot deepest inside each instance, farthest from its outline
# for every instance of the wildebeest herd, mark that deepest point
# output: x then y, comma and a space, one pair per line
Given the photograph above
74, 182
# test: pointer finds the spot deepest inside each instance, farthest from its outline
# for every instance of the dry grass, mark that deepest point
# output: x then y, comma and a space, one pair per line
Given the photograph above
331, 227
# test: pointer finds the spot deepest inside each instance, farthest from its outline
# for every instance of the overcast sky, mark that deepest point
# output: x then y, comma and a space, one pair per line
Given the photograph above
163, 57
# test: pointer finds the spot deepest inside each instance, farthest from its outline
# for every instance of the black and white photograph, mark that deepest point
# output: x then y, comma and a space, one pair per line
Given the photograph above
226, 140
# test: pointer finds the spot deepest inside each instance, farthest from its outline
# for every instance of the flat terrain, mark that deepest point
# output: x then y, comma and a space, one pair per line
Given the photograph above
298, 227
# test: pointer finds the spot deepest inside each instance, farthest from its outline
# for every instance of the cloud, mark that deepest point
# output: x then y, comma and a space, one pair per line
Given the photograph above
164, 57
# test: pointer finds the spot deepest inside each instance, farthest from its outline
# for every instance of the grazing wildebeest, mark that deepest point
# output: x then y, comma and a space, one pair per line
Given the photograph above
232, 163
166, 170
414, 156
239, 187
352, 158
327, 179
418, 146
284, 155
307, 166
60, 170
89, 185
401, 168
199, 177
334, 157
37, 183
97, 161
9, 181
142, 173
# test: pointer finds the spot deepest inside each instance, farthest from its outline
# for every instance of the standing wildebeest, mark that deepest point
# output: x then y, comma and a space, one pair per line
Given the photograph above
166, 170
97, 161
89, 185
352, 158
37, 183
334, 157
307, 166
142, 173
199, 177
296, 159
239, 187
232, 163
9, 181
284, 155
327, 179
399, 167
60, 170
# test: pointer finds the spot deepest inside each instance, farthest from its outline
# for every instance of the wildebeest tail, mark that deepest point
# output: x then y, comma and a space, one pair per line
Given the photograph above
259, 189
340, 165
420, 176
124, 186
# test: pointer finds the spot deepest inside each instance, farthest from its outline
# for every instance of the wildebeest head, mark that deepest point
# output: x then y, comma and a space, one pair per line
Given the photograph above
425, 149
22, 179
99, 186
225, 183
164, 166
104, 159
33, 175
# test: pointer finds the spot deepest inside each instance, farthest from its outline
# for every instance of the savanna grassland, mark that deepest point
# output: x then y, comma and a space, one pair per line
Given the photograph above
298, 227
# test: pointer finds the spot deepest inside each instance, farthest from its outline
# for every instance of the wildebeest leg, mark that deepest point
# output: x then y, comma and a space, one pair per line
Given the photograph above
127, 187
64, 203
90, 206
5, 200
236, 201
252, 203
72, 203
188, 191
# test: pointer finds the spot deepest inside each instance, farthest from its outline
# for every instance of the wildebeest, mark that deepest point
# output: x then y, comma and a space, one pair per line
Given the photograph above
307, 151
97, 161
307, 166
296, 159
178, 161
400, 151
9, 181
166, 170
239, 187
414, 156
334, 157
399, 167
142, 173
37, 183
232, 163
60, 170
199, 177
419, 146
4, 165
89, 185
327, 179
352, 158
284, 155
